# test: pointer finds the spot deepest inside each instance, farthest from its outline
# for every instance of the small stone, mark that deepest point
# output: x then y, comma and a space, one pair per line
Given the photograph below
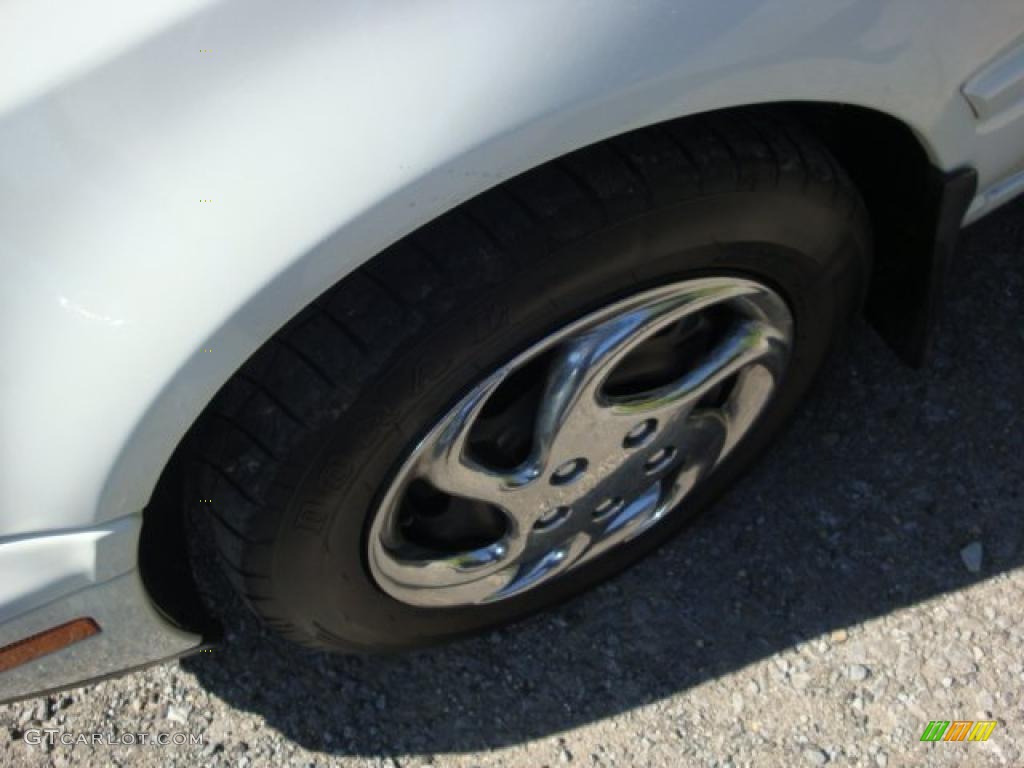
858, 672
881, 760
737, 702
972, 556
176, 715
800, 680
986, 701
815, 755
839, 636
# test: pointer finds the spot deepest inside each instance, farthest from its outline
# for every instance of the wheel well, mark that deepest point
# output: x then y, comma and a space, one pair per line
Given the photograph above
882, 155
884, 158
915, 212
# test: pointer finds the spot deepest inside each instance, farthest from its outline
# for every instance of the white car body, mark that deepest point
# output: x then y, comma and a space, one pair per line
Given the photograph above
178, 178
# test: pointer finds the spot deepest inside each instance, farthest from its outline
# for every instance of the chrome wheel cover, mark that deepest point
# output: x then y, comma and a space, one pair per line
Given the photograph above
603, 464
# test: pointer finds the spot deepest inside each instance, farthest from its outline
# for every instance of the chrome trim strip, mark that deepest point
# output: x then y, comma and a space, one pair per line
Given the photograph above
996, 195
999, 87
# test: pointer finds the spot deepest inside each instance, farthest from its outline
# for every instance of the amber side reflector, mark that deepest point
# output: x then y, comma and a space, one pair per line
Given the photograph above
48, 641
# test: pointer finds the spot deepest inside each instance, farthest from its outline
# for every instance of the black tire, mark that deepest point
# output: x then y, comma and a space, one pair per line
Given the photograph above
297, 446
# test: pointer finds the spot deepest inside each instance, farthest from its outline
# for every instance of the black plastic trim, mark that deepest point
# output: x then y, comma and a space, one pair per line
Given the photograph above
905, 307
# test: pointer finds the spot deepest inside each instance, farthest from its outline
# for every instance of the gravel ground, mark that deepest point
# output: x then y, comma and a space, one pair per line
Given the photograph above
864, 579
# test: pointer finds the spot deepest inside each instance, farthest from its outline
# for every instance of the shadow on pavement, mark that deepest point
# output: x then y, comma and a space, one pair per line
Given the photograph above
861, 508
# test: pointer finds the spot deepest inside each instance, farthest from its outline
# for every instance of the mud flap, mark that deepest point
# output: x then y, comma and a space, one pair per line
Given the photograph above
905, 306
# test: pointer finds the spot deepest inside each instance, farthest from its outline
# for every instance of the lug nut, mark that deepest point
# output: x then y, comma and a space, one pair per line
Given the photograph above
640, 434
659, 460
569, 472
552, 518
608, 507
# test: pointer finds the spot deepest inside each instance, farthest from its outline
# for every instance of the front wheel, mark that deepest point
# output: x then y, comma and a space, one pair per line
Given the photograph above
534, 391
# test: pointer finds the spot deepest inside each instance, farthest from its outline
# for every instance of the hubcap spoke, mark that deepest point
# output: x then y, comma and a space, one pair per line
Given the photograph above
694, 364
750, 342
551, 563
444, 460
456, 569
